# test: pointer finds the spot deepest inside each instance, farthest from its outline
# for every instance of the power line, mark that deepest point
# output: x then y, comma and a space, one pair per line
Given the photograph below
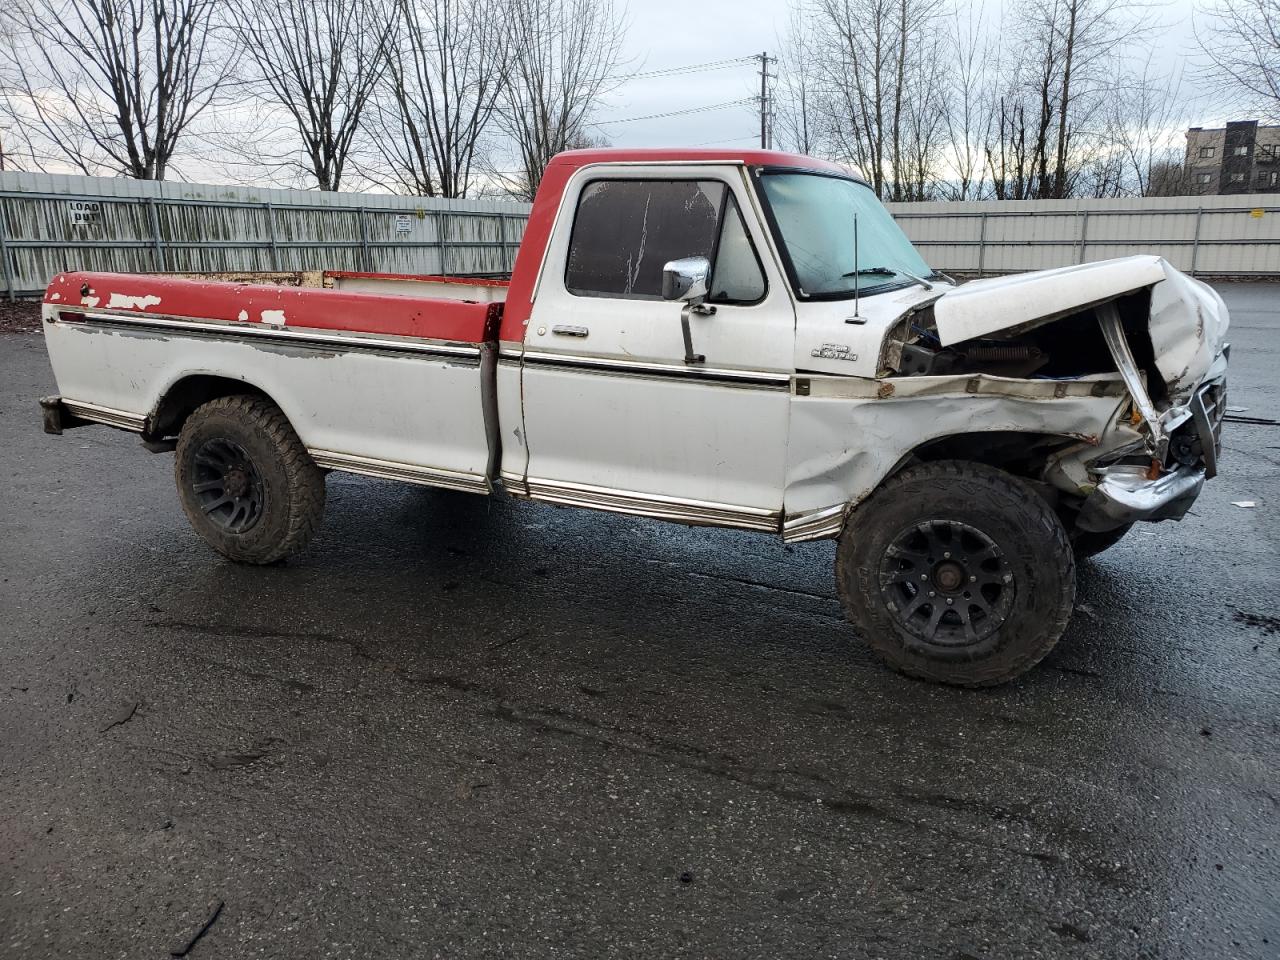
677, 113
689, 68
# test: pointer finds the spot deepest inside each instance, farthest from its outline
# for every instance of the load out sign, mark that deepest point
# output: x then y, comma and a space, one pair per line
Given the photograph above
84, 213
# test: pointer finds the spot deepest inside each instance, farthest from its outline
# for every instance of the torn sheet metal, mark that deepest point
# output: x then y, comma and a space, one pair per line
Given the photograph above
1188, 327
1113, 332
841, 447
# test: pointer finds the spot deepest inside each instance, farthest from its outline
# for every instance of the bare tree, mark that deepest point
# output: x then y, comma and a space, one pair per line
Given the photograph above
1169, 178
109, 84
1007, 149
1052, 131
1146, 129
441, 93
318, 61
797, 123
564, 57
880, 98
971, 99
1072, 45
8, 128
927, 99
1242, 47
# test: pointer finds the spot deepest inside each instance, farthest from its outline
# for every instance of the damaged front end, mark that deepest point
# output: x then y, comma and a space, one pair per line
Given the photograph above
1161, 333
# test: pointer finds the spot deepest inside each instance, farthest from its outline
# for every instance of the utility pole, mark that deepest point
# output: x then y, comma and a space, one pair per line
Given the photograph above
766, 128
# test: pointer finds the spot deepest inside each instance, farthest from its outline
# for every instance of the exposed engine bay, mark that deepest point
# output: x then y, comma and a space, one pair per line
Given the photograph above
1060, 348
1160, 344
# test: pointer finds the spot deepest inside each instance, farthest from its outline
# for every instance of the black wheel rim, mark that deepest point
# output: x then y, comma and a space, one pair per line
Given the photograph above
947, 583
227, 485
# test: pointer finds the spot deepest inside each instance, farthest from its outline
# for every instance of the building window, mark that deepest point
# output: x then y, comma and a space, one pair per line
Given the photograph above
1268, 178
1207, 152
1204, 177
1240, 151
1237, 178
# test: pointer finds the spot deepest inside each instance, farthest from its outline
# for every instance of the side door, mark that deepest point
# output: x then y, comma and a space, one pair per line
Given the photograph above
615, 418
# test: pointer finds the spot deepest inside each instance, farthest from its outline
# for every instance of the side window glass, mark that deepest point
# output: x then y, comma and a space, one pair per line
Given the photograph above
626, 230
736, 277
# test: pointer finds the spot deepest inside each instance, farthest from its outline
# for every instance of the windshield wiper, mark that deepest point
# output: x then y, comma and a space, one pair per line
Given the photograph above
886, 272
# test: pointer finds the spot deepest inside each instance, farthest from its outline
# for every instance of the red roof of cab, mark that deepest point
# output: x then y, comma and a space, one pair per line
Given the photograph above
752, 158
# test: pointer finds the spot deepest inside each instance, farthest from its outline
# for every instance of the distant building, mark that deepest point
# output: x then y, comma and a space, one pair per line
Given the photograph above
1241, 157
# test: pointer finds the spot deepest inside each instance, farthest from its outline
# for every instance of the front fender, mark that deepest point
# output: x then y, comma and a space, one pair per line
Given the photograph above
849, 435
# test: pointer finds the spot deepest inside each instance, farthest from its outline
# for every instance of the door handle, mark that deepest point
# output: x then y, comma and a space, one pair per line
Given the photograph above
569, 331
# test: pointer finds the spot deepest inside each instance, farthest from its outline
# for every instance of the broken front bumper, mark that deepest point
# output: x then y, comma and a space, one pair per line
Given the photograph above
1125, 495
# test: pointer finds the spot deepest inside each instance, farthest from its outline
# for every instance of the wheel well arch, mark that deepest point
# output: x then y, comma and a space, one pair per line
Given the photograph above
1022, 453
181, 398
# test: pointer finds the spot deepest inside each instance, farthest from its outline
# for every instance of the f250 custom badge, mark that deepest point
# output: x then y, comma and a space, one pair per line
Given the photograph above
834, 351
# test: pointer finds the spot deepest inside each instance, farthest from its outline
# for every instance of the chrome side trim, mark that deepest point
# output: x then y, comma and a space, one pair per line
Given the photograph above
698, 512
406, 472
514, 482
230, 329
122, 419
818, 525
607, 365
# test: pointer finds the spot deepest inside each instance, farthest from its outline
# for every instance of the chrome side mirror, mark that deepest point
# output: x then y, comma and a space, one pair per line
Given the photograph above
686, 279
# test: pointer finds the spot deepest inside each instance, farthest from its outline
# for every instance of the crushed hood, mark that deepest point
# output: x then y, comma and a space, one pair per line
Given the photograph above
1188, 321
1027, 300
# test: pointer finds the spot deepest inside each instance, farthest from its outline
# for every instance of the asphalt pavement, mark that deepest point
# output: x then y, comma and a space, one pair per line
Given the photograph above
459, 727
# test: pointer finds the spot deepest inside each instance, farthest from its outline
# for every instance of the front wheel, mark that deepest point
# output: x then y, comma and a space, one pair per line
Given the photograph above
246, 482
958, 573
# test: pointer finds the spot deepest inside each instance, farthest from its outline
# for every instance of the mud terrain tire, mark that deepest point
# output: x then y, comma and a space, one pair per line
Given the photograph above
971, 534
246, 482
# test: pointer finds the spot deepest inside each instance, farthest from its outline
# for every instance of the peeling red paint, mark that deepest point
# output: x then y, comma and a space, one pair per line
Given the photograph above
306, 307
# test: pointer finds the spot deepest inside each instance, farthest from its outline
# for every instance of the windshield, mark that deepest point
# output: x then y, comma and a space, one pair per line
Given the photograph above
815, 216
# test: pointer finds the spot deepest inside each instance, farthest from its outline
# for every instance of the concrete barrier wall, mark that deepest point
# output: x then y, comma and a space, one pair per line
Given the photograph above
50, 223
1213, 236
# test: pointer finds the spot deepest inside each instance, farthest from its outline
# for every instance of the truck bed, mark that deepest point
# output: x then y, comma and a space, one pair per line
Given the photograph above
374, 383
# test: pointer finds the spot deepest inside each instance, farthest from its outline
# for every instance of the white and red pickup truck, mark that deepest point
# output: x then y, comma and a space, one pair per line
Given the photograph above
731, 338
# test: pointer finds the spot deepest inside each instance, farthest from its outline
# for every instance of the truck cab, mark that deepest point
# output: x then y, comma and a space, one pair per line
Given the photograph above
741, 339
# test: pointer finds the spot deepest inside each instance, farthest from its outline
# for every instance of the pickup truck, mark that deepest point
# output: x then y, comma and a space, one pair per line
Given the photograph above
728, 338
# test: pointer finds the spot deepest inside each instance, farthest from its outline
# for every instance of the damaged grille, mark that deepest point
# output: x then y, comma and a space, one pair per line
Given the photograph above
1201, 439
1213, 400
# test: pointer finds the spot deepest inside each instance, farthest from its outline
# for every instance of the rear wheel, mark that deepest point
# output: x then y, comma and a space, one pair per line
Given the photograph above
958, 573
246, 482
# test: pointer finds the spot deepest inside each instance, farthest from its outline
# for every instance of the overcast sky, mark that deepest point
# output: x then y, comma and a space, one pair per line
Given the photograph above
647, 109
677, 33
